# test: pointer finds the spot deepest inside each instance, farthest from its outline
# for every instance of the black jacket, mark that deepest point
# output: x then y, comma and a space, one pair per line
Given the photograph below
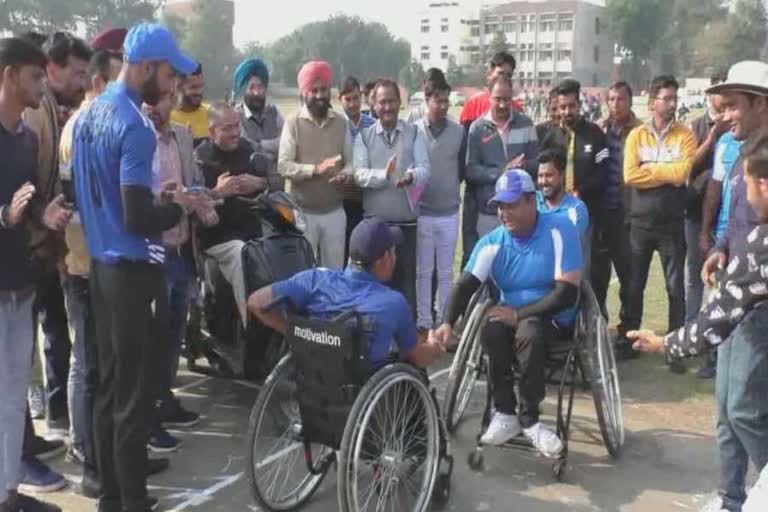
590, 168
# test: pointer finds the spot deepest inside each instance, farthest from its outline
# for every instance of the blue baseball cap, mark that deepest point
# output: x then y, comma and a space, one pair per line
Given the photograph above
511, 186
153, 42
370, 239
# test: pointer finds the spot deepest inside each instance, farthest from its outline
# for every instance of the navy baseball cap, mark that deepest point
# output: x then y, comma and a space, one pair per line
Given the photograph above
153, 42
370, 239
511, 186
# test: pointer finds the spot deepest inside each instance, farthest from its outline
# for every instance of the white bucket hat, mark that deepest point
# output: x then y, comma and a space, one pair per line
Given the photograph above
748, 76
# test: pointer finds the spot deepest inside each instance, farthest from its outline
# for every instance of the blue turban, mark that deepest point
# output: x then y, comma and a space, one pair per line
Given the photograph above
248, 68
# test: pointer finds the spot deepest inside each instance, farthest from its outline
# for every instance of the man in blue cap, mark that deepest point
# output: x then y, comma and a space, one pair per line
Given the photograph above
324, 293
534, 259
260, 122
114, 143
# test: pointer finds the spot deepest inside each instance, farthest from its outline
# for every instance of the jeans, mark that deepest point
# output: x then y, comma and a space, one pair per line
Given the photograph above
83, 375
326, 233
694, 288
179, 276
527, 345
16, 345
435, 247
404, 277
669, 241
469, 215
742, 424
610, 247
50, 310
229, 258
125, 298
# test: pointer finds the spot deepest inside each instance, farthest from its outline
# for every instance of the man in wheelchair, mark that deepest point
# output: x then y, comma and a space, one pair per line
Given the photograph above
534, 258
225, 160
323, 293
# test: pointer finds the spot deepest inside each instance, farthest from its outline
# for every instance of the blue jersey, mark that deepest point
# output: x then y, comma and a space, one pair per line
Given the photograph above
322, 294
525, 269
727, 151
113, 145
571, 207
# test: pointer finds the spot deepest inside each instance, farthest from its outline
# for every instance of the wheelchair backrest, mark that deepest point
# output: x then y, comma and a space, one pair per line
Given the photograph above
331, 367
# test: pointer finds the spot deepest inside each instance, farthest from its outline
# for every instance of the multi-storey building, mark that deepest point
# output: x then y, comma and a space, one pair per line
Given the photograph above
551, 40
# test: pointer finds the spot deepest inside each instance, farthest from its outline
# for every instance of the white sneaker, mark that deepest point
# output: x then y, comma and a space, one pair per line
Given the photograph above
544, 440
503, 427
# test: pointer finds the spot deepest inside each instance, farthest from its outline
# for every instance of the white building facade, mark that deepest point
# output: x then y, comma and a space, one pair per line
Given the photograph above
551, 40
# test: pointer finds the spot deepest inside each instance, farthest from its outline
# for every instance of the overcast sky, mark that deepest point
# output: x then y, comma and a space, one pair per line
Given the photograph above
251, 23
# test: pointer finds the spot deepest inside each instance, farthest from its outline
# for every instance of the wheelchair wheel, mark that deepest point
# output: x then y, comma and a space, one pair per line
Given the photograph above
276, 464
390, 451
604, 374
466, 367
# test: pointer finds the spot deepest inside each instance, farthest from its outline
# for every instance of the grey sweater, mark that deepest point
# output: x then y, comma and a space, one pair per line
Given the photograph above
372, 151
441, 195
487, 154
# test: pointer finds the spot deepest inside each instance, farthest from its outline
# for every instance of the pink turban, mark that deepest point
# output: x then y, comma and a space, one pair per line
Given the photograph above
312, 71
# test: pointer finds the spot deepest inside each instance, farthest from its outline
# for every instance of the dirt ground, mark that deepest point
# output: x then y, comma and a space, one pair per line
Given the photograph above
669, 462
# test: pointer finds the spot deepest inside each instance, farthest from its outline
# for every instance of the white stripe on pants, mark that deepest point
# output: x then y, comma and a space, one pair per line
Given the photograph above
229, 258
326, 233
435, 246
16, 342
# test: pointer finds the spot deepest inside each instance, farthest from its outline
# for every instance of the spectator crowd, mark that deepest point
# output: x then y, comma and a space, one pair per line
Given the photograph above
117, 174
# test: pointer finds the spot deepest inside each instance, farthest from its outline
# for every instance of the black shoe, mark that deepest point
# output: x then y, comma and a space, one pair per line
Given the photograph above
90, 486
46, 450
162, 442
180, 417
75, 456
26, 503
155, 466
677, 367
624, 351
112, 506
706, 372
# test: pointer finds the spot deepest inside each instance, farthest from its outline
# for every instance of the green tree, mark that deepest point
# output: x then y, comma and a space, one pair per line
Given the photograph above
208, 39
351, 46
412, 76
455, 73
177, 25
499, 43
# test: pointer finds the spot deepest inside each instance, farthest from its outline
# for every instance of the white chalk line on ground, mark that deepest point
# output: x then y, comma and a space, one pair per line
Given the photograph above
197, 498
184, 433
192, 384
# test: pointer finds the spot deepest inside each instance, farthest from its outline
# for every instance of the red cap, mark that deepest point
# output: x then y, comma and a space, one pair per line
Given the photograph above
110, 39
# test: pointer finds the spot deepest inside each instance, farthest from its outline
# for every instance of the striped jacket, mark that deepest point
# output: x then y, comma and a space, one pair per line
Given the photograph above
590, 161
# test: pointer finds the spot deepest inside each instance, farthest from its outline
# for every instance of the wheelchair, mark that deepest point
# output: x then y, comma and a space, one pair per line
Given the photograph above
586, 357
324, 405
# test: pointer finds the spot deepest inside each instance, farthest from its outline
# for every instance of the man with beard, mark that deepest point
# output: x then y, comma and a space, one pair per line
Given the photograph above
114, 145
658, 157
500, 140
260, 122
66, 73
22, 79
225, 159
585, 147
552, 197
192, 112
316, 156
